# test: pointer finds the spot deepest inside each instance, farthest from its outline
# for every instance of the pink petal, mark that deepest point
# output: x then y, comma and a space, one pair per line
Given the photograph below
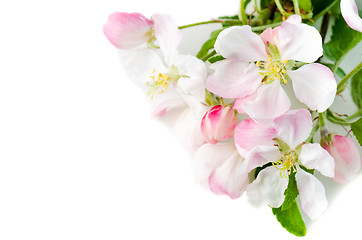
249, 134
349, 12
167, 34
313, 156
270, 35
312, 194
233, 78
240, 43
299, 41
271, 101
268, 187
261, 155
294, 127
127, 30
346, 157
314, 85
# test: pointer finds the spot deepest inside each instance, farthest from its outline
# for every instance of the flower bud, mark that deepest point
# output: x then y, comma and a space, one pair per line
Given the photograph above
346, 157
219, 124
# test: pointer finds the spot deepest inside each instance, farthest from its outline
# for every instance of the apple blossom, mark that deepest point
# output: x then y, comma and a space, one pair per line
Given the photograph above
349, 12
256, 66
346, 157
218, 123
283, 145
217, 167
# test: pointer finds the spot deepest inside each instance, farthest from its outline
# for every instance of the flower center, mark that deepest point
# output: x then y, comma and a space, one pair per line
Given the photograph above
287, 164
273, 70
161, 81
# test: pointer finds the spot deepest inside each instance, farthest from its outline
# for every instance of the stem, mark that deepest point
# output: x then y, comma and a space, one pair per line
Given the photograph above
355, 115
280, 7
345, 79
200, 23
261, 28
322, 123
334, 119
296, 7
336, 64
312, 133
324, 10
242, 15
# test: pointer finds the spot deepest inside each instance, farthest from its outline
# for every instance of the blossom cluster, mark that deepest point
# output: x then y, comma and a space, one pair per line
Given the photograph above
248, 136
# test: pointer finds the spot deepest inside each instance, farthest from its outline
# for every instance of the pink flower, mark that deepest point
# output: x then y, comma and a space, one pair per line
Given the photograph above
256, 66
217, 167
219, 124
349, 12
346, 156
130, 30
282, 144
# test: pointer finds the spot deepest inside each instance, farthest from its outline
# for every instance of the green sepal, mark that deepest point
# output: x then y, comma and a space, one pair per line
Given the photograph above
274, 52
283, 147
291, 219
357, 130
215, 59
356, 89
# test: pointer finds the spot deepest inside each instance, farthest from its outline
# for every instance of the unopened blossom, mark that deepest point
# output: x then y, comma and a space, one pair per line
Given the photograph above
349, 12
217, 167
346, 157
282, 144
218, 124
256, 67
130, 30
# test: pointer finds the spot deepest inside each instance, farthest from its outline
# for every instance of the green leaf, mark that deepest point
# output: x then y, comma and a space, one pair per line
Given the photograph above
290, 193
215, 59
208, 45
357, 130
320, 5
306, 5
356, 88
342, 41
258, 169
291, 219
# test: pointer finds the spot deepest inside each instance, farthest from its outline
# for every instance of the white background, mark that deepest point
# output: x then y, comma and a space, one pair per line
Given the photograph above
80, 158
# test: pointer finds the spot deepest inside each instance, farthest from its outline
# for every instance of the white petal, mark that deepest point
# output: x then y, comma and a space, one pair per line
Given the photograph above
349, 12
240, 43
312, 194
228, 179
294, 127
261, 155
233, 78
299, 41
271, 102
313, 156
194, 75
314, 84
167, 34
269, 187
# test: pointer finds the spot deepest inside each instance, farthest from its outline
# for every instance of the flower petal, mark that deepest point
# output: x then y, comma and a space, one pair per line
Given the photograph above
312, 194
233, 78
313, 156
314, 84
294, 127
299, 41
167, 34
259, 156
127, 30
228, 179
249, 134
271, 102
268, 187
240, 43
349, 12
346, 157
194, 75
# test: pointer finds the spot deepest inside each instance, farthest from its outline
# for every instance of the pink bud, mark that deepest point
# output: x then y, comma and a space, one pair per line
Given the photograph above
128, 30
346, 157
219, 124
